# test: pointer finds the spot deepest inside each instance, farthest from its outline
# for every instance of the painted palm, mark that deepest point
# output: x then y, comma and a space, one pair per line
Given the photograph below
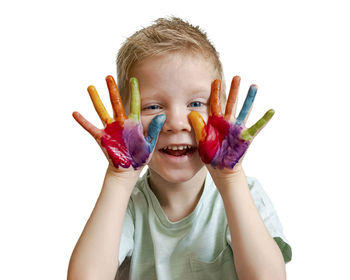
223, 141
122, 136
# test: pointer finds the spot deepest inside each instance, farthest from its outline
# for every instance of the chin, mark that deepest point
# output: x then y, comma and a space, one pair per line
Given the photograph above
175, 177
175, 172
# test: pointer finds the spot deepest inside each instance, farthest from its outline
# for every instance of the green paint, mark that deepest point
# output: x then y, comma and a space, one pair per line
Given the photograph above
135, 101
248, 134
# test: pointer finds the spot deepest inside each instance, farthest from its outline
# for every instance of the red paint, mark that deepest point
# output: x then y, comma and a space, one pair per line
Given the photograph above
217, 130
114, 143
221, 125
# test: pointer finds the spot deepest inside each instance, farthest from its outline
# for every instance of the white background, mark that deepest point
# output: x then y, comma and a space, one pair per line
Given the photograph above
52, 170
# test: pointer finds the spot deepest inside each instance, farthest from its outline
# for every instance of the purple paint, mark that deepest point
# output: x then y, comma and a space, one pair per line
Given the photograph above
223, 147
231, 150
136, 143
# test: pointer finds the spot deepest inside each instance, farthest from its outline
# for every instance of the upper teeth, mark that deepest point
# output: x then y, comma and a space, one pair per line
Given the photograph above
180, 147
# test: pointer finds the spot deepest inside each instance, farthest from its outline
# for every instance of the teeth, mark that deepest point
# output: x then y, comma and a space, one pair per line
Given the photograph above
175, 148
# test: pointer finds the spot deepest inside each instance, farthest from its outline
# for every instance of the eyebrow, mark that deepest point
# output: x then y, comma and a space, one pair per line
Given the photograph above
200, 93
194, 93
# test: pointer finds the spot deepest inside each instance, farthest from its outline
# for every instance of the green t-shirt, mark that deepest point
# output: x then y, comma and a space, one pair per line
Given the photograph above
196, 247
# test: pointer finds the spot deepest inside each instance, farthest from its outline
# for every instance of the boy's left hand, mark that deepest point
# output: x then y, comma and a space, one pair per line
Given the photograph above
223, 142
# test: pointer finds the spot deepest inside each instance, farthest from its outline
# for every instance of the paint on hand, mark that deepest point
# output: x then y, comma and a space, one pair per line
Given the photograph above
232, 148
123, 137
113, 141
223, 147
222, 143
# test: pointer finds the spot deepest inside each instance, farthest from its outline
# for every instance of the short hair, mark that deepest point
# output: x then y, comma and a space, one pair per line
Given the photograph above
165, 35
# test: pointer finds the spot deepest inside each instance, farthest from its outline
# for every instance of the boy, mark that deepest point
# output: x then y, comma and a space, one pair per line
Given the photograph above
179, 221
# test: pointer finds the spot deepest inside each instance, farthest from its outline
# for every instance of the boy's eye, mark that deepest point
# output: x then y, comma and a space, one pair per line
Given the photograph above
152, 107
196, 104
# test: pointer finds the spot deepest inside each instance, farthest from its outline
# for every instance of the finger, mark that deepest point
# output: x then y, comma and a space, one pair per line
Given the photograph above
117, 104
93, 130
135, 101
247, 104
154, 129
232, 98
199, 126
251, 132
99, 107
215, 106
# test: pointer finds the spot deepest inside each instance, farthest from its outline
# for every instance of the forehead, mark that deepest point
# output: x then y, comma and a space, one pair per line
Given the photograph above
176, 60
175, 72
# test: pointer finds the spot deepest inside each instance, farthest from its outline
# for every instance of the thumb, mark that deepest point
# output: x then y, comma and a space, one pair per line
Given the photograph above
154, 129
199, 126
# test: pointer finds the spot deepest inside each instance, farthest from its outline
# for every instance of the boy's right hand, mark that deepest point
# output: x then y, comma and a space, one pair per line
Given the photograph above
122, 138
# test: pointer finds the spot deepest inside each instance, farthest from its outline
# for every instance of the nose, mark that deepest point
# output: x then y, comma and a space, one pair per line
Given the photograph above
176, 120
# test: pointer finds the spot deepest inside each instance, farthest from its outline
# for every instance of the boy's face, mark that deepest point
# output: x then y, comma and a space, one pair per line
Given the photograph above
174, 85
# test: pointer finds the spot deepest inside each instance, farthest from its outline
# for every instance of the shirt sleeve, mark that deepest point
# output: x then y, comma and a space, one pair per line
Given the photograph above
269, 216
127, 238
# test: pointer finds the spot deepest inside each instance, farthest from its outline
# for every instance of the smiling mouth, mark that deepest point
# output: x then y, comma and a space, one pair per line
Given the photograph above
178, 150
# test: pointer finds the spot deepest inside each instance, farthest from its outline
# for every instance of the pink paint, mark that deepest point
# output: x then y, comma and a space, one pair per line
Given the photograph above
115, 146
217, 129
126, 145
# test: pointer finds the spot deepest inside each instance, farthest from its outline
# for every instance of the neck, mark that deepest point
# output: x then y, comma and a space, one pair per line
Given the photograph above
180, 198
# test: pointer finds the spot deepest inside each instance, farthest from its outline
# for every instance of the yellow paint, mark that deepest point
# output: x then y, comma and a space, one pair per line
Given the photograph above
198, 125
99, 107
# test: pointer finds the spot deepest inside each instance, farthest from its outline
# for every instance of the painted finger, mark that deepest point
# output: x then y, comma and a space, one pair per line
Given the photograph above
247, 104
251, 132
99, 107
135, 101
215, 106
117, 104
93, 130
154, 129
199, 126
232, 98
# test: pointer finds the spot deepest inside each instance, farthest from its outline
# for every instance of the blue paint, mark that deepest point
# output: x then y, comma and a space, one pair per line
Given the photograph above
247, 104
154, 129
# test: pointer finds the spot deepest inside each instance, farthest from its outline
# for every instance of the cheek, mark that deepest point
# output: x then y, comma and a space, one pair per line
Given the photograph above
146, 120
205, 117
205, 114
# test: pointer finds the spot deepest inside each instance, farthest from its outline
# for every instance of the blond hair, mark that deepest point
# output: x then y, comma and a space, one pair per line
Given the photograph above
166, 35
